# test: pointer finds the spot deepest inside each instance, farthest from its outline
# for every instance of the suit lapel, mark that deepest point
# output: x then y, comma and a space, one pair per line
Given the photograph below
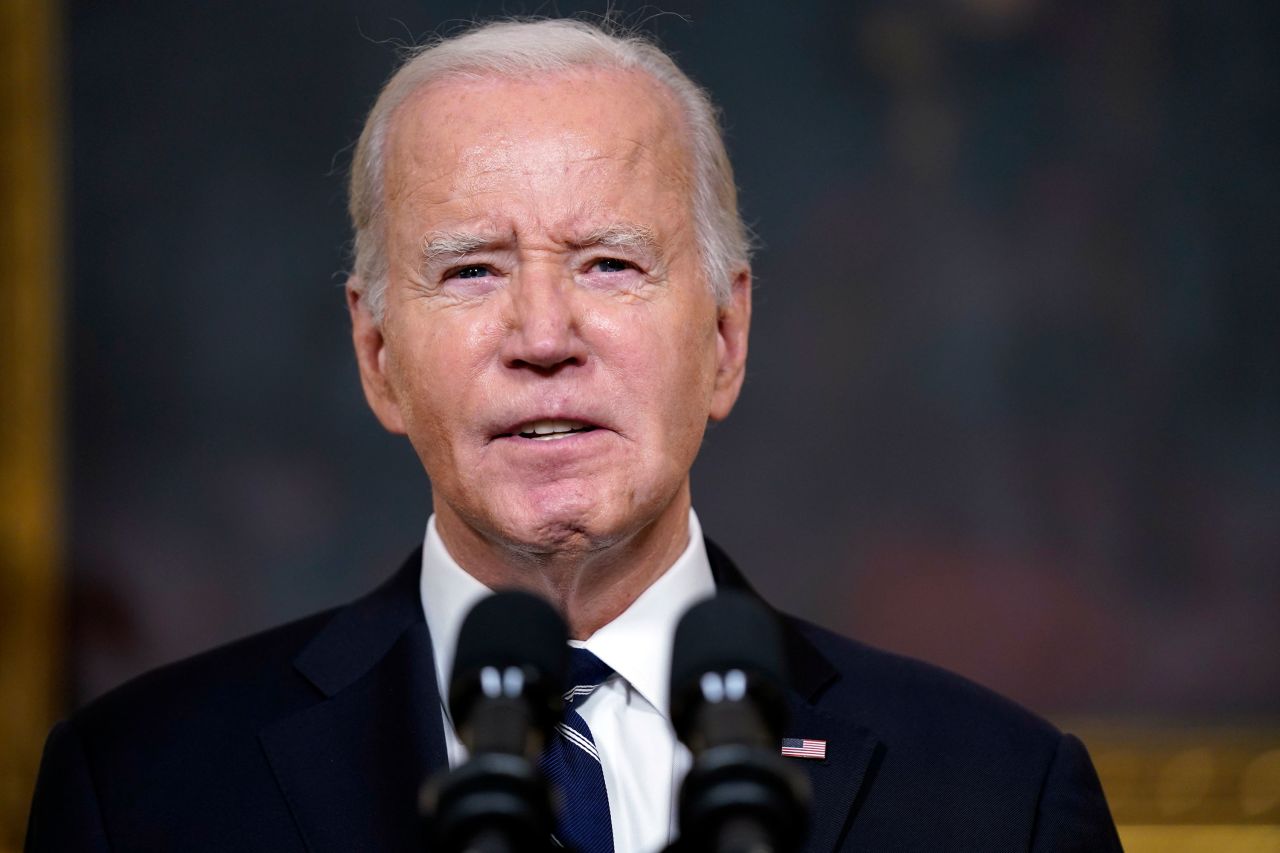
837, 779
350, 765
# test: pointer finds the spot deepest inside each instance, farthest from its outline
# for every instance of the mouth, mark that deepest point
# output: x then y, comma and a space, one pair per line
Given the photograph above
548, 429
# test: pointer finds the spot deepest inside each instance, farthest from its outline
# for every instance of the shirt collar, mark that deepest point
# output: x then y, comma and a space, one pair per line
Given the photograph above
637, 644
448, 594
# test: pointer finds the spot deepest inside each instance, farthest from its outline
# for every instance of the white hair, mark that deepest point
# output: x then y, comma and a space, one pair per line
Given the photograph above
516, 49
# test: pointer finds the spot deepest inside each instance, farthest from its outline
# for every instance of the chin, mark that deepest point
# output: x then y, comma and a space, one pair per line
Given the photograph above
569, 521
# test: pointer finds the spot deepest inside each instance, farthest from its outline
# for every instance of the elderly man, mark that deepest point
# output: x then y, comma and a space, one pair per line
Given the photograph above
551, 298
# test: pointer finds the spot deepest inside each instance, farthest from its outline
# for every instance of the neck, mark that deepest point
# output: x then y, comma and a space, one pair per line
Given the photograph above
590, 584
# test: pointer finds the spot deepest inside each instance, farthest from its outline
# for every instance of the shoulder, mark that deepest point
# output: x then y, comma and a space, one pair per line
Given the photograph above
187, 740
917, 707
180, 741
181, 735
237, 686
920, 708
994, 775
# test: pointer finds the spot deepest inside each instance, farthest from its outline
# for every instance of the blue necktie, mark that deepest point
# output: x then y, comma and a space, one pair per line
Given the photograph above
572, 765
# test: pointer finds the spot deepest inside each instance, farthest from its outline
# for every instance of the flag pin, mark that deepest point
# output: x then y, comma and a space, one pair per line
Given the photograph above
794, 747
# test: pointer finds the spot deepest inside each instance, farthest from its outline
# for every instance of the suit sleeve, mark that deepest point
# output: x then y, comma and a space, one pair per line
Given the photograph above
1072, 815
64, 811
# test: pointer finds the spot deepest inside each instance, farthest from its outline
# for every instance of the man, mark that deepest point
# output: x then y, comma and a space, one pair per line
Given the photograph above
551, 298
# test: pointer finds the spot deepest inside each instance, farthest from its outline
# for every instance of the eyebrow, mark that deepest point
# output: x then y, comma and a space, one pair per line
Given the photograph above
455, 244
446, 245
620, 236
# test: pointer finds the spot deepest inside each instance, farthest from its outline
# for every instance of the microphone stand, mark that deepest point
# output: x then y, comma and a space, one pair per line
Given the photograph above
504, 696
498, 801
741, 795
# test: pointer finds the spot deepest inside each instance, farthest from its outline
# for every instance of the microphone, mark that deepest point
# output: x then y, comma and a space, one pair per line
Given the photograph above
505, 697
741, 795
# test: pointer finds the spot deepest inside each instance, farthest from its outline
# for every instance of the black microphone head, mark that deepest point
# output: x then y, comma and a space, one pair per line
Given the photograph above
510, 630
730, 632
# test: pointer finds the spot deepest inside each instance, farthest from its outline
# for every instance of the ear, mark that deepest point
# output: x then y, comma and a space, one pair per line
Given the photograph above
371, 356
733, 325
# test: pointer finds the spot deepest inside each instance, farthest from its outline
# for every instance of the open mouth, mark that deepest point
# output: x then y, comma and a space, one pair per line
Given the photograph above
549, 430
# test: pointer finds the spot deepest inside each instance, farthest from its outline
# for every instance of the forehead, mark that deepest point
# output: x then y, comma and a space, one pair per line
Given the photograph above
592, 133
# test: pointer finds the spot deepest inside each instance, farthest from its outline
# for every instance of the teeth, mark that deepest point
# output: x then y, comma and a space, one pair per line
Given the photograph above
550, 429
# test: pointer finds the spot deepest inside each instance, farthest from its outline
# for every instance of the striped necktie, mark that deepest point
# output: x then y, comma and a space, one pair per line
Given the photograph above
572, 765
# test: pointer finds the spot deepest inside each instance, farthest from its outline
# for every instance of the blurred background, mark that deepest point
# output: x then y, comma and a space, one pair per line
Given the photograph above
1013, 402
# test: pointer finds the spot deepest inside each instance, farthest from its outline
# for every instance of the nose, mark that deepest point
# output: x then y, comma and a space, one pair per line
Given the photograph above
544, 327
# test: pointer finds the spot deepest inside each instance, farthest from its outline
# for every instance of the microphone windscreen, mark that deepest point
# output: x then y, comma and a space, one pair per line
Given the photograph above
731, 630
510, 629
728, 706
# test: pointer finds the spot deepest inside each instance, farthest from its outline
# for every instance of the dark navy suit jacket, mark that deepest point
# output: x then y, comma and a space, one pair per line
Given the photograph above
316, 736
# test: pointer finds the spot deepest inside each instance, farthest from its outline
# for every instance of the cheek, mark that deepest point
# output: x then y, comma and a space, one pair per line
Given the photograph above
669, 366
431, 367
414, 392
690, 346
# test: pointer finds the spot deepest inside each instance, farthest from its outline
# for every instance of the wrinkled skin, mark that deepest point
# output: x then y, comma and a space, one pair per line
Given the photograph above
543, 265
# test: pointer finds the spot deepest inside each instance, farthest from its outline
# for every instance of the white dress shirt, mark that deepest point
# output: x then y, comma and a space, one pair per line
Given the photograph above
628, 716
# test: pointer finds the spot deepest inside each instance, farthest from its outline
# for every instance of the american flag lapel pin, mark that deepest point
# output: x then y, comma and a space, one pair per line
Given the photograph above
794, 747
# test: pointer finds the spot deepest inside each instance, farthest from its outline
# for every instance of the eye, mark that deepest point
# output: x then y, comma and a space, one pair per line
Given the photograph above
611, 265
473, 271
470, 280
